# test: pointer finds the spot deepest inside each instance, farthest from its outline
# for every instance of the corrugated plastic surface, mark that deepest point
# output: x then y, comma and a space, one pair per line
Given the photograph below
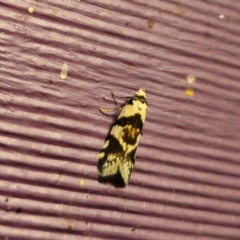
186, 184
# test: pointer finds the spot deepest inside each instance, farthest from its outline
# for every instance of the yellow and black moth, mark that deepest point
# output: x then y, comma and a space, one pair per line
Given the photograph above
116, 160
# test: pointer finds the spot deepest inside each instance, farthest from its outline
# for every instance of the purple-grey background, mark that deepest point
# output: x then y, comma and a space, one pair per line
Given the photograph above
187, 180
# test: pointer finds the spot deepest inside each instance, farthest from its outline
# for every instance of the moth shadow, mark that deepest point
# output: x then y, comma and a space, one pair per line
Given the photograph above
114, 180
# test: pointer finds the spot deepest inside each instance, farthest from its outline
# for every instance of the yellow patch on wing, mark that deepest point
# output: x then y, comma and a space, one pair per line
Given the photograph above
101, 155
106, 144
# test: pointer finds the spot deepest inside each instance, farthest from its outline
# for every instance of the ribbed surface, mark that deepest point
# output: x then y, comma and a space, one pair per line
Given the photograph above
187, 180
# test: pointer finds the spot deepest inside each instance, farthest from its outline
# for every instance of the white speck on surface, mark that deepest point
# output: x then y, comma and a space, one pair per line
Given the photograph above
64, 71
30, 10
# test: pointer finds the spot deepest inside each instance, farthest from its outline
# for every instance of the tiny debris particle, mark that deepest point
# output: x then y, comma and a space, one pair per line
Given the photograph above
82, 182
191, 78
18, 210
221, 16
189, 92
69, 228
63, 74
178, 9
30, 10
150, 23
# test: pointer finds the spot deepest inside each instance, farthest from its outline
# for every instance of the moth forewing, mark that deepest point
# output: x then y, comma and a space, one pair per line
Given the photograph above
116, 160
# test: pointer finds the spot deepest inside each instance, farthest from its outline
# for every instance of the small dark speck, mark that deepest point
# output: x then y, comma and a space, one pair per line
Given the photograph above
69, 229
124, 196
133, 229
6, 200
127, 23
90, 191
86, 223
50, 81
18, 210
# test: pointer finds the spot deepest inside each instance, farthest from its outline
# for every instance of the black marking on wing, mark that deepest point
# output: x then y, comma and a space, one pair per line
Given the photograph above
134, 120
140, 98
132, 155
132, 127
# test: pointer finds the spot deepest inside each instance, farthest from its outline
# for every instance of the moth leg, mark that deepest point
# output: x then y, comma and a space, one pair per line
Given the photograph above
111, 110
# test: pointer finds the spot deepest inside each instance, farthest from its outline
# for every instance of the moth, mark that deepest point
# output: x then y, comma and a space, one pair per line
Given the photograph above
116, 159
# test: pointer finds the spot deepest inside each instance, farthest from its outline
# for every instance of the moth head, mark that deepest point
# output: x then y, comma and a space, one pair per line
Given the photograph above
141, 92
140, 98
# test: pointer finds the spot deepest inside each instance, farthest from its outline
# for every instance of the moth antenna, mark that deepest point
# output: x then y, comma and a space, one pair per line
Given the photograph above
115, 96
